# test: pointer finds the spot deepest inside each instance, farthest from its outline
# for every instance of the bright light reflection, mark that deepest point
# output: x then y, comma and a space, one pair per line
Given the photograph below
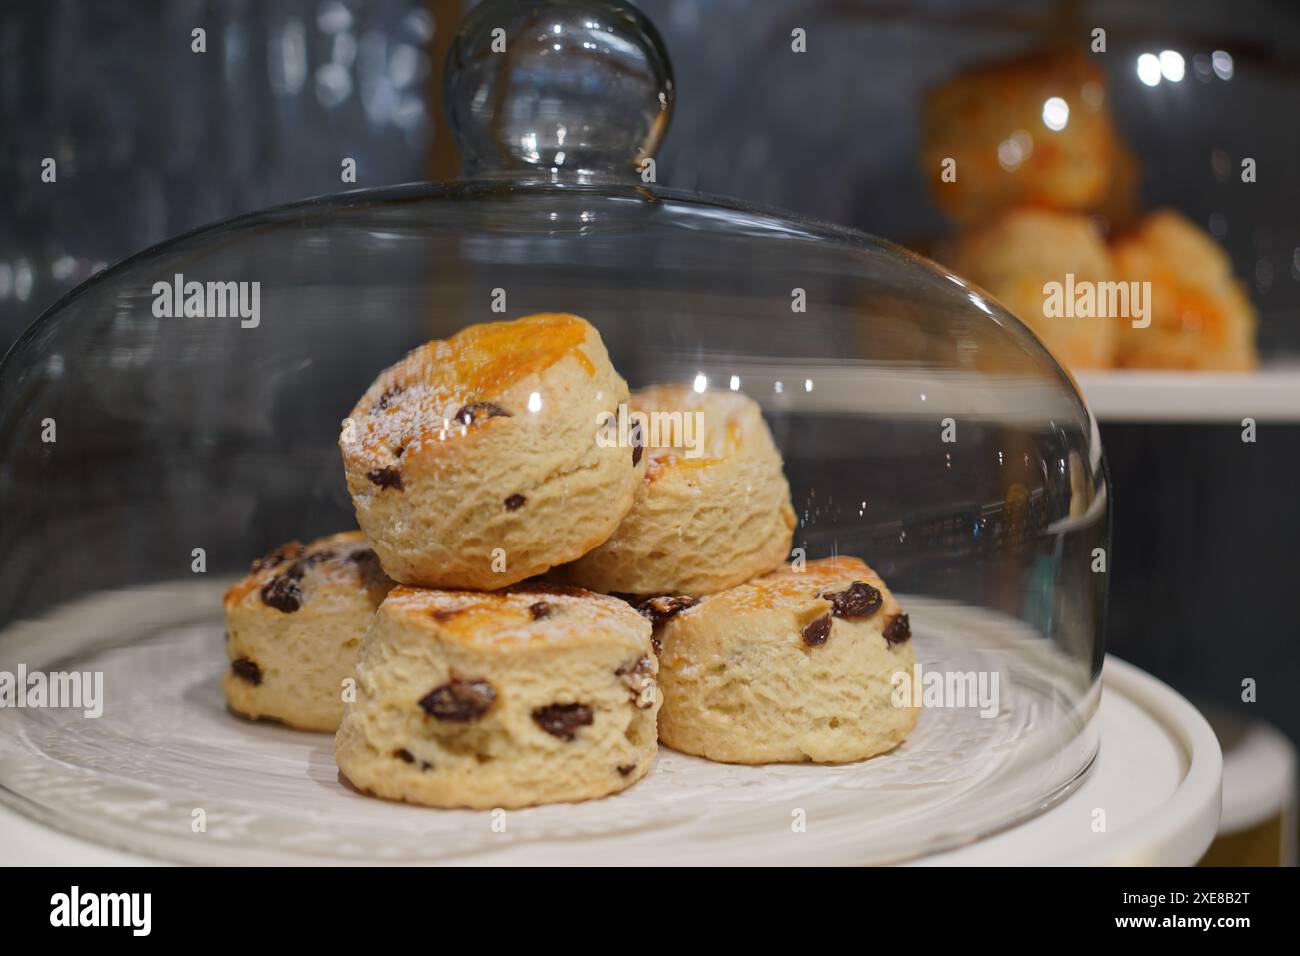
1172, 67
1013, 151
1056, 113
1221, 61
1149, 69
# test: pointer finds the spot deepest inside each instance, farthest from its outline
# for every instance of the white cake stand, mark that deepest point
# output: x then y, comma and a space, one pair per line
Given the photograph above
129, 788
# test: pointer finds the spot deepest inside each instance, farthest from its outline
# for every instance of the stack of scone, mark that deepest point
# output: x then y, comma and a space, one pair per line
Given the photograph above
556, 574
1024, 157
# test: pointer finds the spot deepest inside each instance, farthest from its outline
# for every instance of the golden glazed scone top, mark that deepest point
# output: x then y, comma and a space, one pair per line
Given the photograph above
729, 420
788, 588
286, 576
547, 616
437, 391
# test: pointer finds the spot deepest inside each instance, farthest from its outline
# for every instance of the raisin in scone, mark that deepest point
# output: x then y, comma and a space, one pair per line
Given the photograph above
792, 666
509, 698
473, 462
714, 507
294, 627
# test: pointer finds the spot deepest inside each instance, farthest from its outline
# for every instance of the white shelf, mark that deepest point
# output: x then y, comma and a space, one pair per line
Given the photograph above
1271, 394
1267, 395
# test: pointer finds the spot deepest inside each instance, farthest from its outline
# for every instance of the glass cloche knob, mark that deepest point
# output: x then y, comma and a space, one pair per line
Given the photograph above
572, 87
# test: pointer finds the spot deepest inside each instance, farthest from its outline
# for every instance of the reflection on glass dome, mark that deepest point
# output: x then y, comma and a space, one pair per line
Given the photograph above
938, 441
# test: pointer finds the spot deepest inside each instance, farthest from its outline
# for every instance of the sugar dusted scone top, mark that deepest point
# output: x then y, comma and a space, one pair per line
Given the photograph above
730, 424
473, 461
511, 698
294, 625
788, 589
709, 514
545, 617
340, 563
413, 406
792, 666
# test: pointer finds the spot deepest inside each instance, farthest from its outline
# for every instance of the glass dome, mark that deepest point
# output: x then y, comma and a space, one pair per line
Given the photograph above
147, 455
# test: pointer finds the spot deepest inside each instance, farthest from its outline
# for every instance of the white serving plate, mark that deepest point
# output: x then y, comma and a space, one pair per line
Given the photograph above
962, 789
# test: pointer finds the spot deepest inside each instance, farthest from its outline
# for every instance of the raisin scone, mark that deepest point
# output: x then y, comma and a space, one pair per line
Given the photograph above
1016, 255
714, 507
294, 627
1033, 131
535, 694
793, 666
473, 462
1200, 316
